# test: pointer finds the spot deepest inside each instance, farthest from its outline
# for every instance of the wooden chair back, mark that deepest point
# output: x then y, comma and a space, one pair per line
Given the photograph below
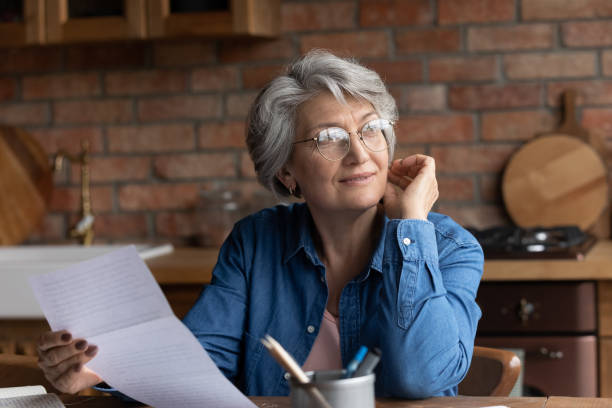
493, 372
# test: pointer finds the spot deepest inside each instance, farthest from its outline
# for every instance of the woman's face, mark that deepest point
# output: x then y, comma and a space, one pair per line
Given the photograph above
357, 181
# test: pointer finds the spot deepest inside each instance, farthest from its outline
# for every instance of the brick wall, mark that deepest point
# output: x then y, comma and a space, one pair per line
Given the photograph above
474, 79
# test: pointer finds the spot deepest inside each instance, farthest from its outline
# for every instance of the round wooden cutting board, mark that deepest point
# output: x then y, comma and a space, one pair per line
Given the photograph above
26, 184
555, 180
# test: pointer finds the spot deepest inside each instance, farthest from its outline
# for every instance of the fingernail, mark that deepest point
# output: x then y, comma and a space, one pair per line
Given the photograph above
91, 350
80, 345
66, 337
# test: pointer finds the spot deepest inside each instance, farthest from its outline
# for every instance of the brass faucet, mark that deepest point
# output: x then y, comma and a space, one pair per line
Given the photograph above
83, 230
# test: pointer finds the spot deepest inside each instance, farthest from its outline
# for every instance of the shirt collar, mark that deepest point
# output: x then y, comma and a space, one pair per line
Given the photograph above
299, 237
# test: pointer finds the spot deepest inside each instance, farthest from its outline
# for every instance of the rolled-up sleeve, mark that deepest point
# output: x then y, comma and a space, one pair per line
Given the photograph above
427, 312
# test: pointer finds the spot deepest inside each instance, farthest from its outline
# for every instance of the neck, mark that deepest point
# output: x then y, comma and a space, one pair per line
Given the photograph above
345, 240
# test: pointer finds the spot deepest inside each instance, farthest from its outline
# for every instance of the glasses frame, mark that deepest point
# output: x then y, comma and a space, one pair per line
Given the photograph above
358, 133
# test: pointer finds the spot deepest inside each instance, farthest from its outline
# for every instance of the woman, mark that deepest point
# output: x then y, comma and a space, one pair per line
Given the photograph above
361, 261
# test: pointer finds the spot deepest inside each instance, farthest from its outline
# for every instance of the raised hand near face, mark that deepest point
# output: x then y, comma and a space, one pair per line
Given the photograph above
412, 188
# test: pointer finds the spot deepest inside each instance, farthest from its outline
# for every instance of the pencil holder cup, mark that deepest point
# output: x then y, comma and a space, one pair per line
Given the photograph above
354, 392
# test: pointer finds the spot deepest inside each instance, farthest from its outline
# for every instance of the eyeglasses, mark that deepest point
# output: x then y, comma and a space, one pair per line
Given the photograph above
334, 143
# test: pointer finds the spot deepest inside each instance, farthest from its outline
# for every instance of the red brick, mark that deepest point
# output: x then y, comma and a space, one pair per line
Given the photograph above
355, 43
150, 138
51, 229
257, 77
93, 111
385, 13
475, 11
8, 88
550, 65
179, 107
521, 125
69, 199
598, 118
317, 16
466, 159
173, 224
30, 59
435, 129
120, 226
20, 114
428, 40
61, 86
597, 92
476, 216
219, 135
158, 196
105, 169
68, 139
462, 68
456, 188
565, 9
606, 62
238, 105
182, 52
423, 98
490, 188
398, 71
402, 151
244, 51
145, 82
587, 34
181, 166
494, 96
247, 169
214, 79
519, 37
106, 56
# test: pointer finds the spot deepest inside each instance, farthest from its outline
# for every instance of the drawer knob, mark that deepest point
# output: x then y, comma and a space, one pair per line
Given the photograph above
525, 310
552, 354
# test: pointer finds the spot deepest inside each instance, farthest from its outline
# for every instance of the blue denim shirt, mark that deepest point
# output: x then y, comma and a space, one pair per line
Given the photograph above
415, 301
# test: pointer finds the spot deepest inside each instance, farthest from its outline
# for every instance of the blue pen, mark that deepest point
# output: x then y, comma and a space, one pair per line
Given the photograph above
352, 366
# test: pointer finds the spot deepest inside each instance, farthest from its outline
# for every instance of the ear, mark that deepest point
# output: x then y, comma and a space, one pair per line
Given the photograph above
285, 176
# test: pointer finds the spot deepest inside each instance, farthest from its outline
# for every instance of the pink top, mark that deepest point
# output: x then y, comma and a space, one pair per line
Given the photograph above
325, 353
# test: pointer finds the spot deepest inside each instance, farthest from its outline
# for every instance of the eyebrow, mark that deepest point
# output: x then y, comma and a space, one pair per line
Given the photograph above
336, 124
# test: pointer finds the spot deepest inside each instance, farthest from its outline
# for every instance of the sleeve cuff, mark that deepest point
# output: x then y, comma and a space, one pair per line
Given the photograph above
417, 240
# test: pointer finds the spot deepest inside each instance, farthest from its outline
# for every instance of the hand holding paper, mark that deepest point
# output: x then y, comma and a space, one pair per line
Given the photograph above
113, 301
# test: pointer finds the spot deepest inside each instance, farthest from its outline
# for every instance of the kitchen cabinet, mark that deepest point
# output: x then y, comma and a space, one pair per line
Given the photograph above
22, 23
27, 22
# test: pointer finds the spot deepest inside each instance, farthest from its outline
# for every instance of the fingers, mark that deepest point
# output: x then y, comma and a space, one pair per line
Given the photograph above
411, 166
53, 339
76, 379
73, 362
53, 356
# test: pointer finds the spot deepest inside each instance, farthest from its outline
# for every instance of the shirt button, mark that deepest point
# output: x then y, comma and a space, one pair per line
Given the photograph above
287, 375
310, 329
322, 279
407, 241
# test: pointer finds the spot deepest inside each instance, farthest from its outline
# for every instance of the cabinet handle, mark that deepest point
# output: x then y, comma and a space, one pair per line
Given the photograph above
552, 354
525, 310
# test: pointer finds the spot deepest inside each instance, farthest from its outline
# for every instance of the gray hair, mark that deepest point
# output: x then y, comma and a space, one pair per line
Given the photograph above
272, 118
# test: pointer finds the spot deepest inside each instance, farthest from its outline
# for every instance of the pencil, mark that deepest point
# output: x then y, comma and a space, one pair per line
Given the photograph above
288, 363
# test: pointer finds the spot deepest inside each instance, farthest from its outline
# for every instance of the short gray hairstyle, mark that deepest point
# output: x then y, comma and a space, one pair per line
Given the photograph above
272, 119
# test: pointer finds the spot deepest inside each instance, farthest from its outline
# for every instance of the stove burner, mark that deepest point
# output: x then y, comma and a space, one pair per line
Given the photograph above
517, 242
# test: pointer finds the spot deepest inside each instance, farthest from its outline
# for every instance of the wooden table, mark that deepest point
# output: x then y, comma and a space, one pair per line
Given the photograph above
443, 402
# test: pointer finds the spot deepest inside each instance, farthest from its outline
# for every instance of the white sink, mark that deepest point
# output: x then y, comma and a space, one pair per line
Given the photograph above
20, 262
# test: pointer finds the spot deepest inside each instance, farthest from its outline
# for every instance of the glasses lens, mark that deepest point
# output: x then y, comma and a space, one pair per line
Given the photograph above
333, 143
373, 134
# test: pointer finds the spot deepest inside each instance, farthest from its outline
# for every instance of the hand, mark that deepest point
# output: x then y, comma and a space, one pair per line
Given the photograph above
412, 188
62, 360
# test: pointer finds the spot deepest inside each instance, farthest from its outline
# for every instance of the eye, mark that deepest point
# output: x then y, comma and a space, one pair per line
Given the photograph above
331, 135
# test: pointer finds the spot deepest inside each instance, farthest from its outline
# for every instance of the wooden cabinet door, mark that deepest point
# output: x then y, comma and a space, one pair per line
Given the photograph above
65, 26
29, 29
242, 17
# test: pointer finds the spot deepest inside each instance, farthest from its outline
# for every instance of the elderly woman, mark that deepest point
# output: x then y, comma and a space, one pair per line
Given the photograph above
362, 261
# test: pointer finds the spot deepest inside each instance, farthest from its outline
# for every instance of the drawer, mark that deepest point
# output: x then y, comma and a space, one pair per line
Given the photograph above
559, 365
540, 307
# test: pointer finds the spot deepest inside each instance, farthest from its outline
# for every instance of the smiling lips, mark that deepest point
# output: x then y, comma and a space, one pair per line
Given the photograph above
358, 179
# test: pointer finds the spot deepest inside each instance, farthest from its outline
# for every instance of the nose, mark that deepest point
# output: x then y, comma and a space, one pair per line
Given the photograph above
357, 153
